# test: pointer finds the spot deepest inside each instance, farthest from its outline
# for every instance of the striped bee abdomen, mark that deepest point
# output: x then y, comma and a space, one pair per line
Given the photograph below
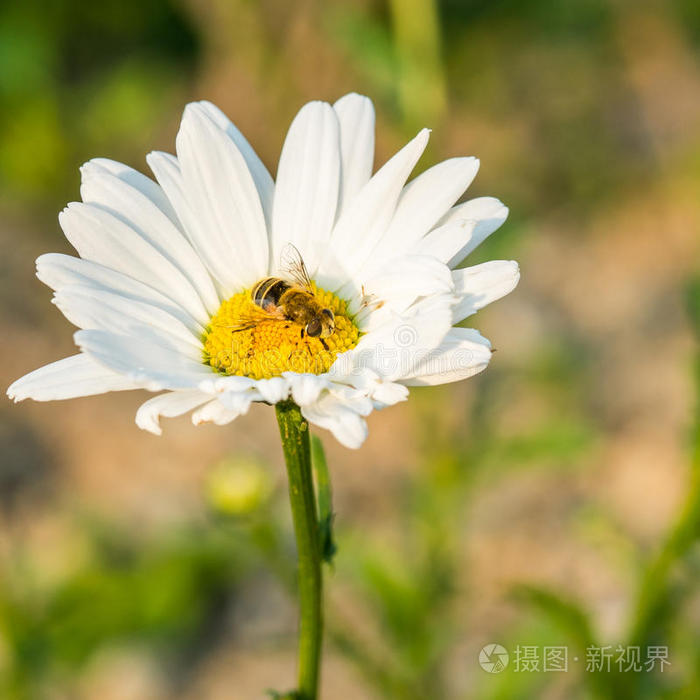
267, 293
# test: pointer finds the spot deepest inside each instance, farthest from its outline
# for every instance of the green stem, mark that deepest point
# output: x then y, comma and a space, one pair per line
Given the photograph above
297, 454
422, 88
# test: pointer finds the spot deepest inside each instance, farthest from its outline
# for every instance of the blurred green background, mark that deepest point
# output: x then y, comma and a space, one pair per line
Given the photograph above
552, 501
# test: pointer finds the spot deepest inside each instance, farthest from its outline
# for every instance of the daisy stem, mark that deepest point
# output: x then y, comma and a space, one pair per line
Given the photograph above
297, 454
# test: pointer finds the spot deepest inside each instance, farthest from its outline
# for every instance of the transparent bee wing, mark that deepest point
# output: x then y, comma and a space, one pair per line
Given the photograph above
292, 265
246, 322
240, 325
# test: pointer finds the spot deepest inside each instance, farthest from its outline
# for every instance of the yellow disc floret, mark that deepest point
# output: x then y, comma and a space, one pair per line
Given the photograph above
244, 340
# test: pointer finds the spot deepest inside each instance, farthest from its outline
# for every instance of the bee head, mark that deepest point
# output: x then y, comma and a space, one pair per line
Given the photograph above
322, 325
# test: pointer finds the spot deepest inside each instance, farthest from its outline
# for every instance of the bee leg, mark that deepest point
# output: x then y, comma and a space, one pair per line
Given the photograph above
236, 329
324, 343
303, 330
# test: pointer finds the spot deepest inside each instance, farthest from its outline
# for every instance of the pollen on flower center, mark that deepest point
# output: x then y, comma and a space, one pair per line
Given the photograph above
241, 339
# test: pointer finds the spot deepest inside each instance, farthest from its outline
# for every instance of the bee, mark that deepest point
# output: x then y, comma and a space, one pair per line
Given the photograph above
291, 298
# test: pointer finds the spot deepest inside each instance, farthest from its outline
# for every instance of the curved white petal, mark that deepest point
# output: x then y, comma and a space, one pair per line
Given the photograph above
216, 412
59, 271
395, 287
306, 388
216, 383
388, 394
132, 206
331, 413
423, 201
261, 176
356, 117
78, 375
446, 241
221, 192
308, 177
399, 344
169, 405
365, 383
463, 353
274, 389
100, 237
356, 400
488, 213
166, 168
479, 285
140, 182
154, 366
100, 309
364, 220
239, 401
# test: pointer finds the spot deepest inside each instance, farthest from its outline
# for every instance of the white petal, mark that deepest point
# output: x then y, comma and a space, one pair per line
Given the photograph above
446, 241
171, 404
142, 183
215, 412
219, 384
133, 207
357, 400
394, 288
368, 383
306, 388
479, 285
308, 176
100, 309
78, 375
488, 213
222, 195
356, 116
330, 413
59, 271
462, 354
239, 401
389, 393
102, 238
364, 220
261, 176
274, 389
403, 341
167, 171
147, 363
423, 201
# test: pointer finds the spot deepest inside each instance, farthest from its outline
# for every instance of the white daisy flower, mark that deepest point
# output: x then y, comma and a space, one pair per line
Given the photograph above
167, 295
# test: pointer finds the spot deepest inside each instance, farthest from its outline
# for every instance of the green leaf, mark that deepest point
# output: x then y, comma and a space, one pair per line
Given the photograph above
565, 613
325, 500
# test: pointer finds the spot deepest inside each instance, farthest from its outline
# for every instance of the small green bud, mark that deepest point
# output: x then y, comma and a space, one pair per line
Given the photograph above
237, 486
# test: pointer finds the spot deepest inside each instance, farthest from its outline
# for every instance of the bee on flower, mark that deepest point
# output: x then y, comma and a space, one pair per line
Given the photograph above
218, 286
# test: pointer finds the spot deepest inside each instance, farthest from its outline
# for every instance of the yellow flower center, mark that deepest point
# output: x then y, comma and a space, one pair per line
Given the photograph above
243, 339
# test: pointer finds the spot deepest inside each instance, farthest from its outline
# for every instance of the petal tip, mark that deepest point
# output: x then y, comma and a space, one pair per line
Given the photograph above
354, 97
149, 425
16, 393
